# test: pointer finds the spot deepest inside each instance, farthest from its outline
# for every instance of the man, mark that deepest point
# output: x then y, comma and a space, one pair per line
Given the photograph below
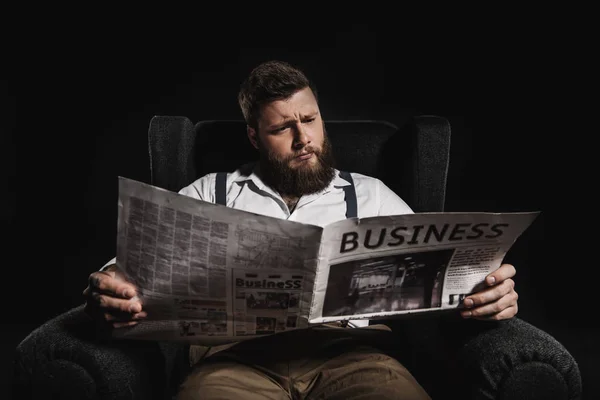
295, 179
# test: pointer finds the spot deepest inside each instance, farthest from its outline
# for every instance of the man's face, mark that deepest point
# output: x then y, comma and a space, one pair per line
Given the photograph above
295, 155
290, 130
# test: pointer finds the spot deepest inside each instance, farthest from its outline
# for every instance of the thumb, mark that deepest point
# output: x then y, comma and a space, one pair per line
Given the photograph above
115, 272
124, 287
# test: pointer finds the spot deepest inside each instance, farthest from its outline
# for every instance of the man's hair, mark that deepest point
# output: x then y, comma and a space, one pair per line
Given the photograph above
269, 81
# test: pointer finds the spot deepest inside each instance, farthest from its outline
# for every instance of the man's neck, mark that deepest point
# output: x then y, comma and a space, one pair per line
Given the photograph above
291, 201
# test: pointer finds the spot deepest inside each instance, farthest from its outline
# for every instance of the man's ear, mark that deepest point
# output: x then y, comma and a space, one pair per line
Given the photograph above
252, 136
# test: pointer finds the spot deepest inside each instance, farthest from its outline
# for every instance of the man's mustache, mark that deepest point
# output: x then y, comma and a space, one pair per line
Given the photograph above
305, 150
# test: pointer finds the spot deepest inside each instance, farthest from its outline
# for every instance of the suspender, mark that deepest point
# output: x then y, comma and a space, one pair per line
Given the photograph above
221, 188
349, 192
349, 195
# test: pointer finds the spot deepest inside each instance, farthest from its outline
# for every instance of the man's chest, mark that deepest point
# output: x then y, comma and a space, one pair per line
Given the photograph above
315, 210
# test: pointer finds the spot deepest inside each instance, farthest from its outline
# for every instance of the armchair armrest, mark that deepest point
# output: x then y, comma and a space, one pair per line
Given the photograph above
67, 358
513, 359
470, 359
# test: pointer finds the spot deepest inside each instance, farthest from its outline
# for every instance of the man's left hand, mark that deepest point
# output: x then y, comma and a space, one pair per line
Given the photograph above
497, 301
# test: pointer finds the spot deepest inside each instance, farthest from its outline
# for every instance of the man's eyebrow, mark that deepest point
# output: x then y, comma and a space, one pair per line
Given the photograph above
289, 120
280, 124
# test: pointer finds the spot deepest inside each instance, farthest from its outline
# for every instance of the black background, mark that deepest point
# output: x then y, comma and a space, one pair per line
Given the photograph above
88, 95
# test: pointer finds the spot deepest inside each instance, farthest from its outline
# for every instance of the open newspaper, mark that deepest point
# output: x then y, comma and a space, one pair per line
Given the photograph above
212, 274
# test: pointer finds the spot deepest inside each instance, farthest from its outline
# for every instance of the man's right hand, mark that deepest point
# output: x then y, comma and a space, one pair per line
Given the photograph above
111, 298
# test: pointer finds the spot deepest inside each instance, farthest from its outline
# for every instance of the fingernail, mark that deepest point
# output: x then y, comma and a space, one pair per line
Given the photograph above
140, 315
491, 280
127, 293
468, 303
124, 324
466, 314
135, 308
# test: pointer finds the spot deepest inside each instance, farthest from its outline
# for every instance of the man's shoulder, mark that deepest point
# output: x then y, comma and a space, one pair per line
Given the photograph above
203, 180
367, 185
364, 180
244, 170
206, 182
389, 202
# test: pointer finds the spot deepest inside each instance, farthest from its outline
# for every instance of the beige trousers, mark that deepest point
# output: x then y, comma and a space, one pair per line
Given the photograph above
315, 363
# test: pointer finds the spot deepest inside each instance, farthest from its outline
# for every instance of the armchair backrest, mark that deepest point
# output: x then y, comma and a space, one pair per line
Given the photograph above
412, 160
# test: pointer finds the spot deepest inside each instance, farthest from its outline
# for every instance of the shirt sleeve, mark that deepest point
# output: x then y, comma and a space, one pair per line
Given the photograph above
390, 203
108, 264
201, 189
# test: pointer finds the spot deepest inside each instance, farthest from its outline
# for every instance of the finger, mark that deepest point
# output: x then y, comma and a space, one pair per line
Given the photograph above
507, 313
105, 282
110, 272
121, 317
507, 301
490, 295
115, 272
503, 272
116, 304
118, 325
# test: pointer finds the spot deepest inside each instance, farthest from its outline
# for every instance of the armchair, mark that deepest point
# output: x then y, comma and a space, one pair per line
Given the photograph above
452, 358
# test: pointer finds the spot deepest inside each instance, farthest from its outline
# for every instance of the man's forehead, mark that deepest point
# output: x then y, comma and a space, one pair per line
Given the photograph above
300, 104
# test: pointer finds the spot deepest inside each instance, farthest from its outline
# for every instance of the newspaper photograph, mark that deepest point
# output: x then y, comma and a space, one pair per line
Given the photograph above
268, 301
211, 274
383, 266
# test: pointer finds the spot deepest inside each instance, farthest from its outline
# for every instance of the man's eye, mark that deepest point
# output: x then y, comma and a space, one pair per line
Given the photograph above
309, 120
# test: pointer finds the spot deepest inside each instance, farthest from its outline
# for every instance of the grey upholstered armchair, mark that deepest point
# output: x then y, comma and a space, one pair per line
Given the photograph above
68, 357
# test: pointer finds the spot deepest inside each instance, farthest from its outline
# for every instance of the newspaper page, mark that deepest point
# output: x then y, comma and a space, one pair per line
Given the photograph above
380, 267
211, 274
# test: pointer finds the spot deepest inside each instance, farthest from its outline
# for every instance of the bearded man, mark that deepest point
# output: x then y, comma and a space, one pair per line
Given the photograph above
295, 179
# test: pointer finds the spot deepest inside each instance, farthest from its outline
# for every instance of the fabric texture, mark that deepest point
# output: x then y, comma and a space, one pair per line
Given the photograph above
316, 363
456, 358
514, 358
70, 357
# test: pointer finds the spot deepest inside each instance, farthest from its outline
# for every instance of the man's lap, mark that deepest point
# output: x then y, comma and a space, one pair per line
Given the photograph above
299, 341
323, 362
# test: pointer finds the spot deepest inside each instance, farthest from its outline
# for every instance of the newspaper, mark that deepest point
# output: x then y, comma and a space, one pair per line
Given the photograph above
212, 274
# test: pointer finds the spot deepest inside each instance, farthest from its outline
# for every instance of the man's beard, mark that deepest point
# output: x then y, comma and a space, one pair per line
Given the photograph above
303, 179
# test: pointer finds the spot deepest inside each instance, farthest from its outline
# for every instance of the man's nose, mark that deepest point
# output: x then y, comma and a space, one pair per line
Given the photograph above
301, 137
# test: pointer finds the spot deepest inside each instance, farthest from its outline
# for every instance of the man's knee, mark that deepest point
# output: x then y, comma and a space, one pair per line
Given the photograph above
366, 374
227, 379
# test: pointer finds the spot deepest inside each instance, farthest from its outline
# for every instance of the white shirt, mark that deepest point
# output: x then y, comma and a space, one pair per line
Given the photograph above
250, 193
